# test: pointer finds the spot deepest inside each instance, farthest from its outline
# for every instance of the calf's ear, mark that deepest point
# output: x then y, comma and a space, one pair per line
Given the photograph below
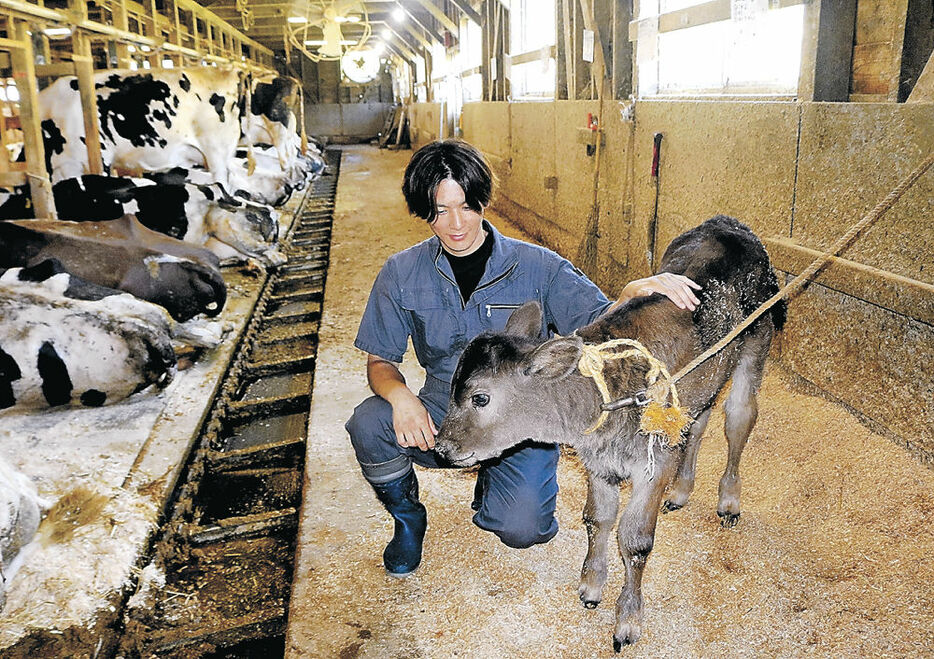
526, 321
556, 358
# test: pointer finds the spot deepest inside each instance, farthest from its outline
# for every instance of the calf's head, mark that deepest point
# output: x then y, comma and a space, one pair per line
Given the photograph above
508, 388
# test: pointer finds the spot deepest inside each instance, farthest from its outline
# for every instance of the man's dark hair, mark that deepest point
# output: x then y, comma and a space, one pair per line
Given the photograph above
446, 159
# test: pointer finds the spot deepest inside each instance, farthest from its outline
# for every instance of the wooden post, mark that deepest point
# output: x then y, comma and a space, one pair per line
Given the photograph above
121, 22
84, 69
24, 72
570, 57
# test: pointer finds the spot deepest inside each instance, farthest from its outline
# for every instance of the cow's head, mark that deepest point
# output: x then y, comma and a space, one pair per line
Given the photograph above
504, 388
183, 287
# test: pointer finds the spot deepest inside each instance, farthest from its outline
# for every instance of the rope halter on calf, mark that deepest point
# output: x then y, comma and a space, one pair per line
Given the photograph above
660, 420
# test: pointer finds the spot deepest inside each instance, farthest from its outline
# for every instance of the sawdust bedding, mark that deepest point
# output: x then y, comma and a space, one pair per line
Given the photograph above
832, 556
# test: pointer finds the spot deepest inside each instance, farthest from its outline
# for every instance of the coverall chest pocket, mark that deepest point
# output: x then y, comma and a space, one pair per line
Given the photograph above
435, 330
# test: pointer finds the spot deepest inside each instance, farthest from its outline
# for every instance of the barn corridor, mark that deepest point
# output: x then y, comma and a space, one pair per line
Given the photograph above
833, 555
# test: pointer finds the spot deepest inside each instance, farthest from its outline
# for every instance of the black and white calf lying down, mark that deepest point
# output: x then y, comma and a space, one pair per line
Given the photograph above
234, 228
20, 513
65, 341
514, 386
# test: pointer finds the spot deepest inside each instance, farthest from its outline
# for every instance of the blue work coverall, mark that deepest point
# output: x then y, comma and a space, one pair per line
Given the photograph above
415, 295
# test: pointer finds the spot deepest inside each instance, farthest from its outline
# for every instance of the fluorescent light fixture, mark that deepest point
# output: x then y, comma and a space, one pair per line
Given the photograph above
297, 19
54, 32
398, 14
321, 42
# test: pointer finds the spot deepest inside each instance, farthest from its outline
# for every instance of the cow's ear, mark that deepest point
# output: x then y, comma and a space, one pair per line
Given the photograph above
526, 321
556, 358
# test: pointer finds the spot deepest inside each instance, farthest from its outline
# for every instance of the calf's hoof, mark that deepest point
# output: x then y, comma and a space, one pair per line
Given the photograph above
728, 520
626, 635
671, 506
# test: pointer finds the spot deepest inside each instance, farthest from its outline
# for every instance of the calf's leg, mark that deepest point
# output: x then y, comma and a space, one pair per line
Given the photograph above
599, 517
684, 479
636, 536
741, 411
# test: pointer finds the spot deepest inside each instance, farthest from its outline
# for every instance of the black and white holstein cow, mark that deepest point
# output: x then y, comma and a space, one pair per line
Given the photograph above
65, 341
20, 514
513, 386
124, 255
155, 120
202, 215
149, 121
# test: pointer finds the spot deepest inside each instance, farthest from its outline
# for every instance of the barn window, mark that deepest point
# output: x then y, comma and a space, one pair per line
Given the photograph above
469, 58
532, 42
725, 47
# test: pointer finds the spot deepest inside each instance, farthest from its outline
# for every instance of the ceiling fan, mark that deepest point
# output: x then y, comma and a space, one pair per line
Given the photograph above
318, 23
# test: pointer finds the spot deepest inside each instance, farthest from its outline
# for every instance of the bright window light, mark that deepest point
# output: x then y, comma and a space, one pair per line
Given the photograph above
533, 28
756, 52
55, 32
168, 64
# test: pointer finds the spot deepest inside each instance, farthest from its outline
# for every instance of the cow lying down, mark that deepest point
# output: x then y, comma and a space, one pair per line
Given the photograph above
511, 387
202, 215
124, 255
20, 513
64, 341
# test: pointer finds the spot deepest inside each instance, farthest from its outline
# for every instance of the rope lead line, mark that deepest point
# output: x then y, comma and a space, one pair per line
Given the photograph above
818, 263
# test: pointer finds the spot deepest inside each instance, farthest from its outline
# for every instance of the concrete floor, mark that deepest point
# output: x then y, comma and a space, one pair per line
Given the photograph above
833, 555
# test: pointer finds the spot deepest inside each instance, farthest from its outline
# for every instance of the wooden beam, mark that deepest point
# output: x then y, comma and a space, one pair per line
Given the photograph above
430, 31
598, 67
567, 52
827, 51
439, 15
24, 73
923, 91
84, 69
468, 11
888, 290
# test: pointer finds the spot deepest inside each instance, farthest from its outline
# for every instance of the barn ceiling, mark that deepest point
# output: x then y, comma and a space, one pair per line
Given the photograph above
266, 21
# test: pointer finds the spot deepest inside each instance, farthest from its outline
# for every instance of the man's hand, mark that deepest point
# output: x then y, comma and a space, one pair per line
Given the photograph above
676, 288
411, 421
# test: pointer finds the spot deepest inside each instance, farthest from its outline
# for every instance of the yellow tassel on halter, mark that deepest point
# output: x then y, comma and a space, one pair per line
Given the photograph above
668, 421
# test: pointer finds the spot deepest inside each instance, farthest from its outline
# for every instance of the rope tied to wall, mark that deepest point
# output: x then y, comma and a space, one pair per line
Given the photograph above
798, 282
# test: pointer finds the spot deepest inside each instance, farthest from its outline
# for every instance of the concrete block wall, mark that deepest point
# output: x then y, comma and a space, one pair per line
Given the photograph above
800, 174
345, 122
424, 123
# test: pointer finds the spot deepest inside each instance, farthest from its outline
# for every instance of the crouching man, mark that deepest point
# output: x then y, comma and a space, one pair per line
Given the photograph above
466, 279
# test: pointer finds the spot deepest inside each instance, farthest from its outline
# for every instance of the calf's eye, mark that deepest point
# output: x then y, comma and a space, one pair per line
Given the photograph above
480, 400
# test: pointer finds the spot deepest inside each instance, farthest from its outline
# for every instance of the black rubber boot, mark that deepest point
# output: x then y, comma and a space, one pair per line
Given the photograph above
478, 490
400, 497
